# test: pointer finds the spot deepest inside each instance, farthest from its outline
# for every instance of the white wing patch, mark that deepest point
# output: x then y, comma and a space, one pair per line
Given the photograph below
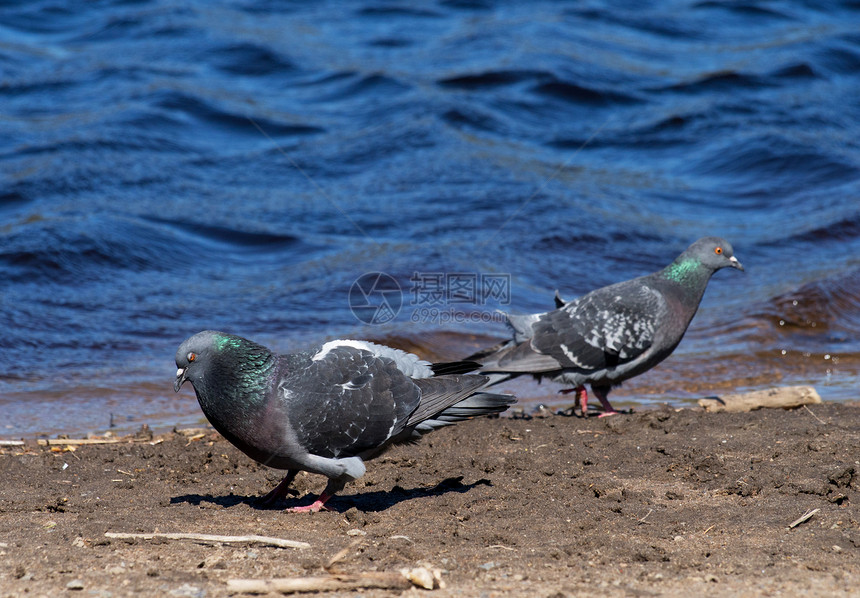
408, 363
622, 332
324, 350
569, 354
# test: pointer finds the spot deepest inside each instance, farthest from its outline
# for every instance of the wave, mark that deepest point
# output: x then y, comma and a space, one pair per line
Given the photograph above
69, 250
772, 163
746, 10
235, 122
578, 94
845, 229
488, 79
248, 59
398, 11
228, 237
353, 85
823, 316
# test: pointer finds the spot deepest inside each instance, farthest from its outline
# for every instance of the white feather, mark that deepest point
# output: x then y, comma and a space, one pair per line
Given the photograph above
408, 363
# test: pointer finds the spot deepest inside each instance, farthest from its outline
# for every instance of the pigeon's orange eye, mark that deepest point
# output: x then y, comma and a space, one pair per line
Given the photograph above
718, 251
192, 356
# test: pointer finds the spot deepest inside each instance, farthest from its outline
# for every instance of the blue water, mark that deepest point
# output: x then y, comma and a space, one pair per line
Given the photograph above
168, 167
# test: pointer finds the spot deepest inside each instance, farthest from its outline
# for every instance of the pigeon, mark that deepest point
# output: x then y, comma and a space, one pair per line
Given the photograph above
610, 334
329, 409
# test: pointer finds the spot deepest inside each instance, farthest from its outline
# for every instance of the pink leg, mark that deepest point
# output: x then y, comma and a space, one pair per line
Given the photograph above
581, 399
279, 491
608, 409
315, 507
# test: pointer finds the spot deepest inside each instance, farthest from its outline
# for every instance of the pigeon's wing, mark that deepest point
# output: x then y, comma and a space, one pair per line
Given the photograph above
606, 328
349, 398
522, 358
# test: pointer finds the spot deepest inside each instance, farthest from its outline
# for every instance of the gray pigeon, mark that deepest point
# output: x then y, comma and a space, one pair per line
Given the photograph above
329, 409
613, 333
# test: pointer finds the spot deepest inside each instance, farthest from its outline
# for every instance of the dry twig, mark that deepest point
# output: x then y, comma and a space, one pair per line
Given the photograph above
342, 554
821, 421
76, 441
803, 518
326, 583
269, 541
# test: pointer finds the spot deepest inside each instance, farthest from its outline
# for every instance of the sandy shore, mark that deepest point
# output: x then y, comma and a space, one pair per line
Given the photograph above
658, 503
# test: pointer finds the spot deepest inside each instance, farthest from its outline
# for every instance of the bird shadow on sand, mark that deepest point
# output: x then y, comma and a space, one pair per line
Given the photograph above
368, 502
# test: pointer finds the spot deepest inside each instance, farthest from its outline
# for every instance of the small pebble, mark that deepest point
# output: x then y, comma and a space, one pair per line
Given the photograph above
75, 584
837, 548
356, 532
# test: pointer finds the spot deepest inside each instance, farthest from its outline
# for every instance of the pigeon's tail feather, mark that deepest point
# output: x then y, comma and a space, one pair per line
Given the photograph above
482, 355
498, 377
521, 327
440, 392
489, 359
454, 398
480, 403
448, 368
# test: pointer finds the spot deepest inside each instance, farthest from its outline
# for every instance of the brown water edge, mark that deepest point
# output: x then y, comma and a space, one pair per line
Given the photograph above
82, 410
680, 380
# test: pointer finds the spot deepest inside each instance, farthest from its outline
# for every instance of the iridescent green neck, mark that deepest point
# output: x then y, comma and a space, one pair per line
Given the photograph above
249, 363
682, 270
223, 342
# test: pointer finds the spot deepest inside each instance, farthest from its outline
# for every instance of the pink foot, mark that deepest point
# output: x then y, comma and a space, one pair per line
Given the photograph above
608, 409
315, 507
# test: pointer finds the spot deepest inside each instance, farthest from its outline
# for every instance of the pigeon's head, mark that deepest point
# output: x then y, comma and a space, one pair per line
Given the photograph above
714, 253
193, 356
212, 359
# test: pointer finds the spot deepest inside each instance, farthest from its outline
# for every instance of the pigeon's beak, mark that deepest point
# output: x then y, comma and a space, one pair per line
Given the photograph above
180, 379
736, 264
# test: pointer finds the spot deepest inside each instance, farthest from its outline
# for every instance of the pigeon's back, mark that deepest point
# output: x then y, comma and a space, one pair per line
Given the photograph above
346, 403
